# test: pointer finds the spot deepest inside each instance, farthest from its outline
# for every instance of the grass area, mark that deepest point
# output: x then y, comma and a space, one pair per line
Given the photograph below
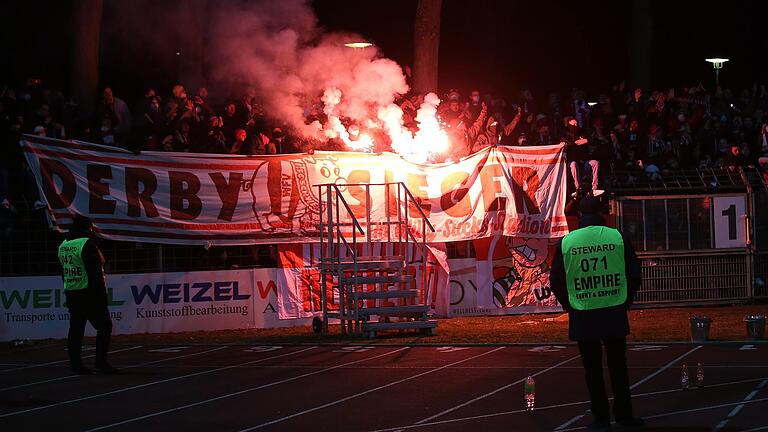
647, 325
667, 324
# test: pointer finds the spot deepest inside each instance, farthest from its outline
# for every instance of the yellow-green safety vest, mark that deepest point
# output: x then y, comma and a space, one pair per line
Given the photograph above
595, 271
71, 258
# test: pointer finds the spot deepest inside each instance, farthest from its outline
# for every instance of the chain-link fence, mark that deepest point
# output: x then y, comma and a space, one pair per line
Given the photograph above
701, 277
29, 248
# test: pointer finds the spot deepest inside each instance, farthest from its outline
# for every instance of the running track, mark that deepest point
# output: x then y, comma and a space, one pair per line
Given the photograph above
367, 388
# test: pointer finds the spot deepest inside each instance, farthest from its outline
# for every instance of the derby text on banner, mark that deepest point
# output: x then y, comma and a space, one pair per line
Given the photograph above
186, 198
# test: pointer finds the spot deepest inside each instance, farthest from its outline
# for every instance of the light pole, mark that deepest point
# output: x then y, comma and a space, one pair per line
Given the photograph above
717, 63
358, 45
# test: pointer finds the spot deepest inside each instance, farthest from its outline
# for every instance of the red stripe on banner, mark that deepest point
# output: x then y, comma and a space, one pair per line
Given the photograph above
148, 234
184, 226
72, 145
529, 162
75, 146
144, 162
212, 166
528, 151
181, 225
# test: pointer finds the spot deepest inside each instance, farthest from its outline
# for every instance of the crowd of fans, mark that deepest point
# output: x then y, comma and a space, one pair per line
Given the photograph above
623, 129
616, 136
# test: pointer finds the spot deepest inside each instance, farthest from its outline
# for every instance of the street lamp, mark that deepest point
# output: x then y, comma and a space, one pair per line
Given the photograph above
358, 45
717, 63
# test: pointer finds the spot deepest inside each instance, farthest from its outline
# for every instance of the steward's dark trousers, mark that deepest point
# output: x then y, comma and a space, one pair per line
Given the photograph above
82, 311
592, 359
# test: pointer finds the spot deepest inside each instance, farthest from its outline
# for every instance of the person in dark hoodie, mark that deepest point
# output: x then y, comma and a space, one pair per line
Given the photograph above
85, 289
595, 275
489, 130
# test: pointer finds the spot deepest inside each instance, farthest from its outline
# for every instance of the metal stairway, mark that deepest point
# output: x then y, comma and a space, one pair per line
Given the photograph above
371, 266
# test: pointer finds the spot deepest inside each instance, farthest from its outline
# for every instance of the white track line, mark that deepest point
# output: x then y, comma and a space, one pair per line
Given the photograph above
122, 390
491, 393
127, 367
548, 407
228, 395
634, 386
64, 361
338, 401
738, 408
667, 366
725, 405
570, 422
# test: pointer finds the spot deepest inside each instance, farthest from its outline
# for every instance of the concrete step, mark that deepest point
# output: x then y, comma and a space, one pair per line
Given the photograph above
361, 222
380, 264
387, 294
363, 258
376, 279
395, 310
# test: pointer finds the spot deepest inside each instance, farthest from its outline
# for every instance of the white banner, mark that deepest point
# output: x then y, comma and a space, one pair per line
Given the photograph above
34, 307
188, 198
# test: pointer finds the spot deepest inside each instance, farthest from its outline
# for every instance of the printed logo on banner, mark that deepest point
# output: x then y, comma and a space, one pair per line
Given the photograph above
35, 307
187, 294
38, 304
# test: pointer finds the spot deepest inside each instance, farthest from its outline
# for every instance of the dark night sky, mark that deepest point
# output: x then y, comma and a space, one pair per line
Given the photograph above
498, 45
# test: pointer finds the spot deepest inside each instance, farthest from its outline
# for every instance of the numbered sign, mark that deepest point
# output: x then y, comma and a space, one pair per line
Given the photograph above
729, 215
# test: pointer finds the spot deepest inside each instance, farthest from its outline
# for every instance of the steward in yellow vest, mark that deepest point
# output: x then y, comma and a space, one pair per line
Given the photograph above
595, 275
82, 267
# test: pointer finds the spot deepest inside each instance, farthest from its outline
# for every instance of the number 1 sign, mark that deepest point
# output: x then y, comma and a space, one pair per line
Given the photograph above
729, 213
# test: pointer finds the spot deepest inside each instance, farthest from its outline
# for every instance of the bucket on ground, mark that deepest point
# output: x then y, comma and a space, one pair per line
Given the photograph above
700, 328
755, 326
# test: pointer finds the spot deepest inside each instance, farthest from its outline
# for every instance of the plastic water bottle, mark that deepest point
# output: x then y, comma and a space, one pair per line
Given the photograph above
699, 375
530, 393
686, 383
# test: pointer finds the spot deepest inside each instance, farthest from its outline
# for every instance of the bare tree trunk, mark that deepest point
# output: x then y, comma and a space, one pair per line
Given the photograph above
86, 31
641, 44
191, 38
426, 44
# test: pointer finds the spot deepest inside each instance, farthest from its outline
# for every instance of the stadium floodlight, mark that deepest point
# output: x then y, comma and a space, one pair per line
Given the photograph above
358, 45
717, 63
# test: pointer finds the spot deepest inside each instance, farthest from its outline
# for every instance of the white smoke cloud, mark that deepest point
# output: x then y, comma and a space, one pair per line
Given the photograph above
278, 48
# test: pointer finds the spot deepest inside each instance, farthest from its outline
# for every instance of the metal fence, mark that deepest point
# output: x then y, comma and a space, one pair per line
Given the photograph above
704, 277
760, 287
29, 248
675, 236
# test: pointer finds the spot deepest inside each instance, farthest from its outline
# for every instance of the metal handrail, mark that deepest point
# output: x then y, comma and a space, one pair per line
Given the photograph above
334, 243
418, 207
349, 312
421, 245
